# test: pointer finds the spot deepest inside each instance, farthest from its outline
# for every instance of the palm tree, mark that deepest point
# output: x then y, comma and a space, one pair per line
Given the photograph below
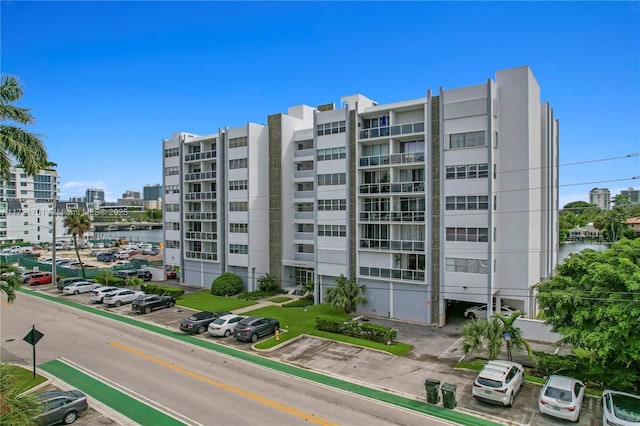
10, 282
515, 339
481, 335
78, 223
17, 408
17, 143
346, 294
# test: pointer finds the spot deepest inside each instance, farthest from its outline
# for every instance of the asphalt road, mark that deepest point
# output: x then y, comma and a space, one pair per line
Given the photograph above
197, 386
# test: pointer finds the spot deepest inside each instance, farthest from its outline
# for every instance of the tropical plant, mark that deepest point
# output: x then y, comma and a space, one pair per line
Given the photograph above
9, 282
268, 283
135, 282
515, 339
17, 409
23, 146
483, 335
106, 278
227, 284
77, 223
347, 294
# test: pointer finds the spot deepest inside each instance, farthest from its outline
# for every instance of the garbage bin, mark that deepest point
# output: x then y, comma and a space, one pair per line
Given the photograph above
431, 386
448, 395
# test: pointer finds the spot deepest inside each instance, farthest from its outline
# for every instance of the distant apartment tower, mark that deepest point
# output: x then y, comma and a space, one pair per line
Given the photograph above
151, 192
26, 204
449, 197
93, 195
131, 194
633, 194
601, 197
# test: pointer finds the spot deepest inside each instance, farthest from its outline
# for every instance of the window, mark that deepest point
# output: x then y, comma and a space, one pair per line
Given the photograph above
466, 171
238, 228
329, 205
332, 230
173, 244
467, 234
238, 249
172, 207
172, 189
467, 140
238, 206
332, 179
237, 185
335, 153
331, 128
472, 266
471, 202
171, 152
173, 226
171, 171
238, 142
238, 163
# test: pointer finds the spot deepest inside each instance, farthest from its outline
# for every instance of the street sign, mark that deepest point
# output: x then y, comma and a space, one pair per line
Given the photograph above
507, 337
33, 337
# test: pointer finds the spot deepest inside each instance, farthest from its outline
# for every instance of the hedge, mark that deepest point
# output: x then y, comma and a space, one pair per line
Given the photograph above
162, 290
373, 332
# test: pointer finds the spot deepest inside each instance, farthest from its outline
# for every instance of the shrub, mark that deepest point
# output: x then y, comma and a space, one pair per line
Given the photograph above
373, 332
227, 284
162, 290
268, 283
300, 303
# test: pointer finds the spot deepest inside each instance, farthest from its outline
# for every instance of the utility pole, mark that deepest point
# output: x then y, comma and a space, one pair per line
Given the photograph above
53, 250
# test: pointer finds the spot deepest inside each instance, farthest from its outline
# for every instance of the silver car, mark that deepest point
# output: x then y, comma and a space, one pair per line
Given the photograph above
80, 287
499, 381
97, 295
562, 397
61, 407
121, 297
224, 325
620, 408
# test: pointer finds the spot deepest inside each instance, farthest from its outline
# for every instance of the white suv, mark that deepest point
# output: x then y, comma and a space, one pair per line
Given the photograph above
499, 381
121, 296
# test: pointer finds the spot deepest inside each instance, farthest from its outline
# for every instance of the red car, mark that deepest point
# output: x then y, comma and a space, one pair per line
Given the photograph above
41, 278
172, 274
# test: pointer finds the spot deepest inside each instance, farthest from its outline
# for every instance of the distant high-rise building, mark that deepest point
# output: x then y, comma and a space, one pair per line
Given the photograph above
131, 194
152, 192
633, 194
77, 199
601, 197
92, 195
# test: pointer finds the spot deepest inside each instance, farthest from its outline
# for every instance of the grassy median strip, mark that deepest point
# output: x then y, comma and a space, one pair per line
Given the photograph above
383, 396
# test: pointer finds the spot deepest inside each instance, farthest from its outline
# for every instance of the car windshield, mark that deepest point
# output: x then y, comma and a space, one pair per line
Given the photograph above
559, 394
200, 316
219, 321
626, 407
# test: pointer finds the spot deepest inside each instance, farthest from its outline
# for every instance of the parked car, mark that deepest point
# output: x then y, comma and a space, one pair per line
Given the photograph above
80, 287
68, 281
149, 303
106, 257
199, 322
481, 311
144, 274
121, 296
225, 325
41, 278
562, 397
125, 274
122, 254
252, 328
26, 275
60, 407
29, 253
620, 408
172, 274
97, 295
122, 263
499, 381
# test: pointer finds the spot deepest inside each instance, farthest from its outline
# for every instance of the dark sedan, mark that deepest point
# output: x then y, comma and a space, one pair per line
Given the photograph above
61, 407
148, 303
198, 323
252, 328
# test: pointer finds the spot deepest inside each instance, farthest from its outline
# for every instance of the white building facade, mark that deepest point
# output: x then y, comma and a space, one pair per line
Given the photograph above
449, 197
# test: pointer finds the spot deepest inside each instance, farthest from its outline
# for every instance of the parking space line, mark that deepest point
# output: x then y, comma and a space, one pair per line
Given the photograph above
453, 346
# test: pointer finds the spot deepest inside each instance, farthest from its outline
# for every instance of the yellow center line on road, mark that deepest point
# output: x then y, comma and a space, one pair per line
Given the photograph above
4, 303
290, 410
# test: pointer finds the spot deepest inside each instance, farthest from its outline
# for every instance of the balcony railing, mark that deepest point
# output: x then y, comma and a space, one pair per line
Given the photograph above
398, 274
308, 236
304, 215
200, 196
201, 236
395, 245
391, 216
310, 152
304, 173
200, 176
387, 188
391, 159
303, 194
396, 130
201, 255
197, 156
304, 257
200, 215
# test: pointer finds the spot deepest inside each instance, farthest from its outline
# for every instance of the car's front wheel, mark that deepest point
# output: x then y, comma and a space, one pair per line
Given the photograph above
471, 316
254, 337
70, 417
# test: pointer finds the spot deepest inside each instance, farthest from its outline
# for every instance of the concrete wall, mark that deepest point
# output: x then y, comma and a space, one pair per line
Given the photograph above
537, 330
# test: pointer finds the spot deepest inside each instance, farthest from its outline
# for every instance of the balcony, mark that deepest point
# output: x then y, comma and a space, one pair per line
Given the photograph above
198, 156
304, 173
392, 216
201, 216
396, 130
306, 236
310, 152
198, 255
387, 188
200, 176
304, 257
392, 159
189, 196
201, 236
304, 215
304, 194
396, 274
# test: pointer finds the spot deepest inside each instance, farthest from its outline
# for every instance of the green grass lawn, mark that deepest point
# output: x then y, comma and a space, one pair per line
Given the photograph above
293, 321
23, 376
280, 299
205, 301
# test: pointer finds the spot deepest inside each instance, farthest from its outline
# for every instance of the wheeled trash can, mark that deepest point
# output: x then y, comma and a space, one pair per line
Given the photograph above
448, 395
432, 386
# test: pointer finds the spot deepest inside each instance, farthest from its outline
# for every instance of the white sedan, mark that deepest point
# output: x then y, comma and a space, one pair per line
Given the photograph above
80, 287
224, 325
481, 311
562, 397
98, 294
121, 297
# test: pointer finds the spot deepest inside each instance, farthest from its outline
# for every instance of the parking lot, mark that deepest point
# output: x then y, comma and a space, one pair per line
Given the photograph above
436, 350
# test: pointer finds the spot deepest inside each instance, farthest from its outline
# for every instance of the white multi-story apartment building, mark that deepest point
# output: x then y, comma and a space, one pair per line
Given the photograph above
601, 197
448, 197
26, 207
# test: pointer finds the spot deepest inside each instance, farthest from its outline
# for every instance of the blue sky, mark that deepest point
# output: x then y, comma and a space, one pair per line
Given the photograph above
107, 81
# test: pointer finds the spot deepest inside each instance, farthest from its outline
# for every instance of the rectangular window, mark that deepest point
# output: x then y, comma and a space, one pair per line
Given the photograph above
238, 163
238, 228
332, 230
467, 140
466, 171
172, 207
332, 179
332, 153
238, 142
471, 202
472, 266
237, 185
171, 152
470, 235
238, 249
238, 206
331, 128
328, 205
171, 171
